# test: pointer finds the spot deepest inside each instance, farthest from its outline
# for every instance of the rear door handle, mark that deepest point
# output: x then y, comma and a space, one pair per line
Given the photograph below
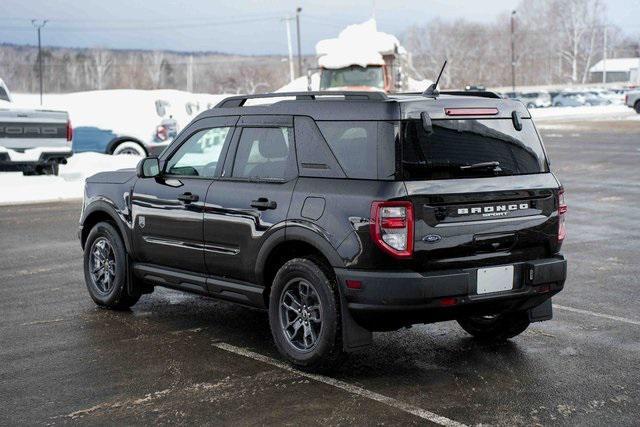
188, 198
262, 204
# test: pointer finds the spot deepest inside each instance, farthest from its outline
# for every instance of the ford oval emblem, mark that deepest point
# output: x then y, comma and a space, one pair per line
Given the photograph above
432, 238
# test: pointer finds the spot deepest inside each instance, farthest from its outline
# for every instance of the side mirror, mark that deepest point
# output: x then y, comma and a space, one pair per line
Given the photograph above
148, 167
427, 126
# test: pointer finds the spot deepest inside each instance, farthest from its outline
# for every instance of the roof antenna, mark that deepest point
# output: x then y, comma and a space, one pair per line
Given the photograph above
432, 90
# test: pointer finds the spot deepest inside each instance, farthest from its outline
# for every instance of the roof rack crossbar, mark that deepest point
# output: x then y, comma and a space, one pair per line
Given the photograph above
239, 100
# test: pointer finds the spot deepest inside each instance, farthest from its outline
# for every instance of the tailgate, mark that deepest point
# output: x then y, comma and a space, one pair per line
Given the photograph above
482, 221
24, 129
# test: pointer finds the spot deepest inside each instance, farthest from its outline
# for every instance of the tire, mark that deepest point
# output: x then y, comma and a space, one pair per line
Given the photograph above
636, 107
496, 328
531, 105
316, 343
50, 169
130, 147
104, 243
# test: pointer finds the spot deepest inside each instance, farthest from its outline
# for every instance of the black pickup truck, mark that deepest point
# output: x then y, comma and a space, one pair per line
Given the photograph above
340, 214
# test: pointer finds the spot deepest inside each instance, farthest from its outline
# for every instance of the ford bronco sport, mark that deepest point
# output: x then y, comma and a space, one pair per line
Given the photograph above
341, 214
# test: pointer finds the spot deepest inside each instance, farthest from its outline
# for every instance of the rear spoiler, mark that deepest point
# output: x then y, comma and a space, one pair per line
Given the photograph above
479, 93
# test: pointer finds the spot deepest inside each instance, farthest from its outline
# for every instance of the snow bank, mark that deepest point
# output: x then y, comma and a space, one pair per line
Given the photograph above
126, 111
414, 85
16, 188
358, 44
607, 112
301, 84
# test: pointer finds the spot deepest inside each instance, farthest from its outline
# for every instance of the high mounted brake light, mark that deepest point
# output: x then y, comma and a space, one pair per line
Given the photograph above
392, 227
471, 111
562, 211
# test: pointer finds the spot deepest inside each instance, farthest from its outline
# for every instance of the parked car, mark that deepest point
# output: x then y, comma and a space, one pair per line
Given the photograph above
595, 98
531, 99
632, 99
341, 213
32, 141
613, 96
569, 99
92, 138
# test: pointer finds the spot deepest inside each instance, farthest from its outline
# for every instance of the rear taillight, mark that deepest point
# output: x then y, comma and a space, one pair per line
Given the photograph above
392, 227
562, 211
69, 131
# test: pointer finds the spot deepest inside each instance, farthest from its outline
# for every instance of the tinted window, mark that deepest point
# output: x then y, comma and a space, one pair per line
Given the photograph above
354, 145
199, 155
354, 75
456, 144
263, 153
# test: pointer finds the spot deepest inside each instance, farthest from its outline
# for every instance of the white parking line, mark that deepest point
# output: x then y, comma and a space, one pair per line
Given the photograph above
592, 313
349, 388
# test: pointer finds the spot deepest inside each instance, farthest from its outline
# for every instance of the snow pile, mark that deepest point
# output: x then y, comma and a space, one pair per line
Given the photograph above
358, 44
414, 85
301, 84
126, 111
17, 188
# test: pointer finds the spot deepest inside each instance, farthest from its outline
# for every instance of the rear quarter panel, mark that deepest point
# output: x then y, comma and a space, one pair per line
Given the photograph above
344, 221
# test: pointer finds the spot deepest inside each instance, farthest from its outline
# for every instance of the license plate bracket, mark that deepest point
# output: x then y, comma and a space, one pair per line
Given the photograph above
494, 279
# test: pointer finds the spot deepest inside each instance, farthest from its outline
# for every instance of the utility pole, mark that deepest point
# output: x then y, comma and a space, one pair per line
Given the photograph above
190, 74
513, 52
38, 26
287, 21
298, 10
604, 56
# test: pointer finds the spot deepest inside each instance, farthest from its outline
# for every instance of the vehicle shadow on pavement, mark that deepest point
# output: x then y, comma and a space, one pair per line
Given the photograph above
423, 354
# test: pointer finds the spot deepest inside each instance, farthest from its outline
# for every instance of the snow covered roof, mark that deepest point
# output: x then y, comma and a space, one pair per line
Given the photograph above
616, 64
358, 44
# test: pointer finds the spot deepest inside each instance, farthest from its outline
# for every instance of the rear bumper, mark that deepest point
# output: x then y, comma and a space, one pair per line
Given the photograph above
14, 161
389, 299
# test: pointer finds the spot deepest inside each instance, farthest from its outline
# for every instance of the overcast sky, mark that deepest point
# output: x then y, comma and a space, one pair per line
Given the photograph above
237, 26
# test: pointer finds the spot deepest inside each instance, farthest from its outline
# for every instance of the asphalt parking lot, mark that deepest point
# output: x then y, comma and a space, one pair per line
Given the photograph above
177, 358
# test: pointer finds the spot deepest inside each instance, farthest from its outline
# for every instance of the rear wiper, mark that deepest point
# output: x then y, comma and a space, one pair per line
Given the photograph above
483, 165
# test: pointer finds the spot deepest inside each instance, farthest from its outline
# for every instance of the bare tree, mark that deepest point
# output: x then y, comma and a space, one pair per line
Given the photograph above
102, 63
155, 62
577, 22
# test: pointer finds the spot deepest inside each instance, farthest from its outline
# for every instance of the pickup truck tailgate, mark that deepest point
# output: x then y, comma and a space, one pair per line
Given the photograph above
25, 129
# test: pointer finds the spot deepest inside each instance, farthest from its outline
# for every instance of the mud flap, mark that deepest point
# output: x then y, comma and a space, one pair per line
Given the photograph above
354, 336
541, 312
133, 282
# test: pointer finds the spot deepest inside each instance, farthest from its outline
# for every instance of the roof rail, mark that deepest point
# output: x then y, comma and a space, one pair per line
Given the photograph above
239, 100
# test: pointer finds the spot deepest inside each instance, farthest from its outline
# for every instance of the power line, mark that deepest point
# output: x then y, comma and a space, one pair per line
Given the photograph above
174, 25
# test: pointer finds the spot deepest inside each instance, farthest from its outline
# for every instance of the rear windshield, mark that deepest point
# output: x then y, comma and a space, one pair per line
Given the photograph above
469, 149
352, 76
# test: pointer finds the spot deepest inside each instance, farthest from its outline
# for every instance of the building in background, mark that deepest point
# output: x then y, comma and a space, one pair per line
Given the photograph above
624, 70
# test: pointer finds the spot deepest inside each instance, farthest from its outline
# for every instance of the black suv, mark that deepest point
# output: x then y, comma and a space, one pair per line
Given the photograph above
341, 213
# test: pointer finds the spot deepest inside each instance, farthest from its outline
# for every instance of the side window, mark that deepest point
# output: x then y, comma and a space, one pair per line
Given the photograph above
264, 153
199, 155
354, 145
4, 95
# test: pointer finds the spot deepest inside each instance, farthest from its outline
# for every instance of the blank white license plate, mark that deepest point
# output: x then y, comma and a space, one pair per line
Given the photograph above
495, 279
